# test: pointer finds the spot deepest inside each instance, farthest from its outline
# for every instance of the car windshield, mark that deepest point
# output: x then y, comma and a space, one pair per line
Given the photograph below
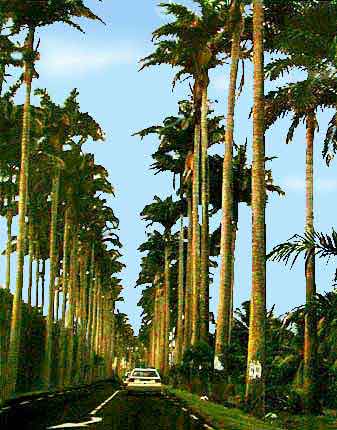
145, 373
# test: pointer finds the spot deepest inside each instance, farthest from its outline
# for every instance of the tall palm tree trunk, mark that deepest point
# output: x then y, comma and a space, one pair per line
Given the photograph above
151, 352
195, 218
312, 404
180, 310
71, 310
112, 341
91, 290
204, 245
231, 315
99, 320
189, 283
255, 387
31, 259
162, 331
108, 338
93, 328
65, 282
82, 318
52, 276
9, 248
225, 290
167, 306
156, 327
15, 332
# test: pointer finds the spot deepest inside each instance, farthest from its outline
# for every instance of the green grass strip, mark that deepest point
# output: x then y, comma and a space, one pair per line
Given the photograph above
218, 416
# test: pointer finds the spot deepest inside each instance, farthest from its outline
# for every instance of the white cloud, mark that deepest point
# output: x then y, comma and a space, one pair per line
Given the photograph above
74, 59
220, 82
320, 184
294, 184
326, 185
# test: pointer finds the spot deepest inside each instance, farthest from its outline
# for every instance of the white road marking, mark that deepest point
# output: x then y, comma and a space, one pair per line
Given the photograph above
184, 409
40, 398
25, 402
208, 427
194, 417
83, 424
104, 403
6, 408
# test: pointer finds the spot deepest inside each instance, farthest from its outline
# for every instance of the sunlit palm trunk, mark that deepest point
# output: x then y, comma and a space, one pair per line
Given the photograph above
52, 276
99, 320
180, 310
189, 285
81, 318
108, 337
15, 333
9, 248
195, 219
255, 388
310, 332
152, 343
94, 326
91, 294
162, 331
112, 344
231, 315
156, 327
166, 305
225, 287
65, 281
158, 324
31, 258
204, 245
71, 310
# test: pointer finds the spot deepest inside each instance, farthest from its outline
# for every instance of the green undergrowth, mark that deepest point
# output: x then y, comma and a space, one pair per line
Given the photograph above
220, 417
223, 418
328, 421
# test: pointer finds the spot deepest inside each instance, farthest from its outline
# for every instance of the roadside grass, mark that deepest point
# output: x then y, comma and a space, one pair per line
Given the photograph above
223, 418
301, 422
220, 417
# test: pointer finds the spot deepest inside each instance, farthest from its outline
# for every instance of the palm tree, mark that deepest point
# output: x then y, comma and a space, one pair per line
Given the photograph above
255, 387
16, 312
242, 193
60, 125
303, 99
165, 212
32, 18
228, 227
174, 155
193, 42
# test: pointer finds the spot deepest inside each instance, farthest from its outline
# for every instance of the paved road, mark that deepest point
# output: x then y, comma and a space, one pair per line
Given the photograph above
102, 409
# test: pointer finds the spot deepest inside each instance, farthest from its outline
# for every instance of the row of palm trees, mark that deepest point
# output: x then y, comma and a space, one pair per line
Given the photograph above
176, 266
66, 230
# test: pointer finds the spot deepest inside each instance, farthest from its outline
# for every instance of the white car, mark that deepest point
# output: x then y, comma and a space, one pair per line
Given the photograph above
144, 380
125, 379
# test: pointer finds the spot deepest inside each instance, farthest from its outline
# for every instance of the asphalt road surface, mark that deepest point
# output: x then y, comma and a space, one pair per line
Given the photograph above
106, 407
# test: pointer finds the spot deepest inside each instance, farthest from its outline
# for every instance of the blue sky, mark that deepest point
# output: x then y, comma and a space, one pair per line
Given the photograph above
103, 65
